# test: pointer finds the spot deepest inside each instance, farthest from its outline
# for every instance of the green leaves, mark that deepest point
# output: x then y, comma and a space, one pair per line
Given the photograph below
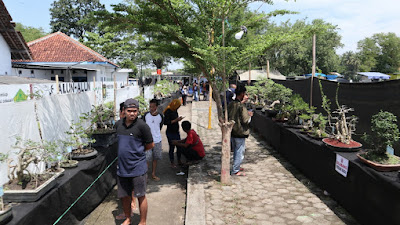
384, 131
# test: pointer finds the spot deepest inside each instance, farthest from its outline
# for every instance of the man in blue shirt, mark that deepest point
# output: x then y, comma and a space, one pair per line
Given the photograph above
134, 138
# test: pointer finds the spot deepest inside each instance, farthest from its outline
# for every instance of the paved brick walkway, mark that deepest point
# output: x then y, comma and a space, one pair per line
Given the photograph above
273, 192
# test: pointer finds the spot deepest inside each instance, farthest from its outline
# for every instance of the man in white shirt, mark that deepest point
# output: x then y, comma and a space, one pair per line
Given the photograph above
155, 121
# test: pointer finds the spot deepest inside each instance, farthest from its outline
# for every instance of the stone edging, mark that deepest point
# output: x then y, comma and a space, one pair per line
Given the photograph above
195, 196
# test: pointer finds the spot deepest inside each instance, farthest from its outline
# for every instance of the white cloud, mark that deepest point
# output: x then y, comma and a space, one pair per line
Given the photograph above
357, 19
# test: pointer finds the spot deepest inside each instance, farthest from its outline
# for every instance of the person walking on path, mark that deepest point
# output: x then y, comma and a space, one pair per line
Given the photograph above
155, 121
195, 92
134, 138
192, 147
184, 94
237, 111
171, 119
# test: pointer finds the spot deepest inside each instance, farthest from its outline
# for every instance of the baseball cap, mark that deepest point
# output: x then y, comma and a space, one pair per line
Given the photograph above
131, 103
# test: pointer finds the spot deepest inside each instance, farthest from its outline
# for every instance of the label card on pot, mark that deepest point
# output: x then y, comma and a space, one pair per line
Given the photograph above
342, 165
1, 191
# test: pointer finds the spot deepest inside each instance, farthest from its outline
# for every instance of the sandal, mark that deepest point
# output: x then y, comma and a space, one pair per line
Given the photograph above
122, 216
241, 169
155, 178
173, 166
240, 174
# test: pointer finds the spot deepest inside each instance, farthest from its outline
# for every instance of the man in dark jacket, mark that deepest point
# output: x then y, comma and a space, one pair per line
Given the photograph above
134, 138
237, 111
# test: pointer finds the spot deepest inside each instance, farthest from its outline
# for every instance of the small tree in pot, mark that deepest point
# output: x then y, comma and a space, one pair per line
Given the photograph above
384, 132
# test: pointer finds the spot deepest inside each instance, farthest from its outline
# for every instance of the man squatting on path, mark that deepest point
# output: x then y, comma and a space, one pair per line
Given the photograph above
192, 147
134, 138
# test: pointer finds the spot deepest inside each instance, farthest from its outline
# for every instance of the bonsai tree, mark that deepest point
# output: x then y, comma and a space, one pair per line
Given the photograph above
343, 126
296, 107
29, 153
101, 118
164, 88
315, 124
384, 132
143, 105
78, 138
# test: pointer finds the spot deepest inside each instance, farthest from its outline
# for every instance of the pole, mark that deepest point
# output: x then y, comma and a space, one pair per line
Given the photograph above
249, 81
313, 69
94, 89
57, 85
268, 68
209, 107
115, 96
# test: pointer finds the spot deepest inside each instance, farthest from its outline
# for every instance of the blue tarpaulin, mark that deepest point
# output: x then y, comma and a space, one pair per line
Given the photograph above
328, 77
375, 75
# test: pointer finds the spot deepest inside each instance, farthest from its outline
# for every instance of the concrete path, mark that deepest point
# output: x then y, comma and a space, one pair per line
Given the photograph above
166, 198
273, 192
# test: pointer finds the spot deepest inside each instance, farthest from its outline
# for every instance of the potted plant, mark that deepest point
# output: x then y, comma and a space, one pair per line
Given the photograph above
295, 108
102, 120
5, 209
384, 132
314, 125
343, 126
26, 182
143, 105
79, 142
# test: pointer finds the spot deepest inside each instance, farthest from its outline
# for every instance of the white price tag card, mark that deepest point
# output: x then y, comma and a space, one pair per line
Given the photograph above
1, 191
342, 165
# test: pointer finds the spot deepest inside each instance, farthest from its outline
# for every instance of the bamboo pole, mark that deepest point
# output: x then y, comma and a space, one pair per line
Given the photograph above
313, 69
210, 106
115, 95
249, 81
94, 90
57, 85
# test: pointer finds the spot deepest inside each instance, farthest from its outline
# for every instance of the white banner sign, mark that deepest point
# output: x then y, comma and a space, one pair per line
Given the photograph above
342, 165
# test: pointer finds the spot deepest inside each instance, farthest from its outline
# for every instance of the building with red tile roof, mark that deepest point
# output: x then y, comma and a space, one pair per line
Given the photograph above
59, 54
12, 43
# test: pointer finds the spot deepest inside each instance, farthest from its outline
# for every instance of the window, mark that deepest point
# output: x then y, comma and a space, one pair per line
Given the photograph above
52, 71
62, 71
32, 72
19, 71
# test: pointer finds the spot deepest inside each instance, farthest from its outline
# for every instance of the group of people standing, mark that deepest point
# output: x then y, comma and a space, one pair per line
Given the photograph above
203, 87
139, 145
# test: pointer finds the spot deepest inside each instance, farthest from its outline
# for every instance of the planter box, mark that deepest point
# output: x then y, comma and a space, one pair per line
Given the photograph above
104, 139
31, 195
5, 216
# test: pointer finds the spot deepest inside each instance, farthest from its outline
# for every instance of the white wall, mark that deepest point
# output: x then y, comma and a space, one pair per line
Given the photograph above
5, 57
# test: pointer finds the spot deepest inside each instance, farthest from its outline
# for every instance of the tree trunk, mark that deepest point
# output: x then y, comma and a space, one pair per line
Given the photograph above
226, 129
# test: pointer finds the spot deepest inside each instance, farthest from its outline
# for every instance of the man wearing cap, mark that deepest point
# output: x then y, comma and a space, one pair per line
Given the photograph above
134, 138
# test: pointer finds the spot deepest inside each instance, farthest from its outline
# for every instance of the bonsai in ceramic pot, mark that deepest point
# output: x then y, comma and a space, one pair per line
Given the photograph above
27, 181
343, 126
101, 128
384, 132
79, 142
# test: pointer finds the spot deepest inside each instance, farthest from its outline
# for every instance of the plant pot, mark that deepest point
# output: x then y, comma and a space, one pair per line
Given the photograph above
378, 166
280, 120
31, 195
271, 113
69, 164
6, 215
88, 155
104, 139
342, 147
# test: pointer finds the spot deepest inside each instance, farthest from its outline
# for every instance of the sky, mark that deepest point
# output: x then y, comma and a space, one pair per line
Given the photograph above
357, 19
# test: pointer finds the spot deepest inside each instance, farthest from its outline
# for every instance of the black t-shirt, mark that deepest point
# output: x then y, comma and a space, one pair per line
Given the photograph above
131, 147
170, 115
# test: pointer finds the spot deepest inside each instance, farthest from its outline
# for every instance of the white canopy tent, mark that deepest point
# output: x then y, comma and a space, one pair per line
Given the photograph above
260, 74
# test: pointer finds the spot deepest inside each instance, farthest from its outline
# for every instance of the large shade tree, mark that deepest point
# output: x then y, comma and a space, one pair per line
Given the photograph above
294, 57
202, 33
69, 16
381, 52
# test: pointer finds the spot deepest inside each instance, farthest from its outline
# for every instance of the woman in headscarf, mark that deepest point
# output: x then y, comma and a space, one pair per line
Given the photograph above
171, 119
